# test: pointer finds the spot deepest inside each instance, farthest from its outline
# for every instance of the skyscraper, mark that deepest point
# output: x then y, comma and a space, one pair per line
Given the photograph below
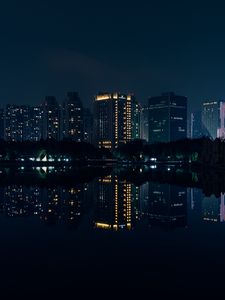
17, 123
73, 117
35, 124
51, 119
167, 118
116, 119
196, 125
221, 129
88, 125
144, 119
210, 118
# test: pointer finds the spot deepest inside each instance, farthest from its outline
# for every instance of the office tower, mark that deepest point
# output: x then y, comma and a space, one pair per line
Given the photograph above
2, 123
144, 116
221, 129
167, 205
88, 125
167, 118
210, 118
117, 203
35, 124
196, 125
73, 117
51, 119
116, 119
16, 123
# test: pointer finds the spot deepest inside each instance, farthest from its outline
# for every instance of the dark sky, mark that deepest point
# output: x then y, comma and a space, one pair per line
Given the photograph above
146, 47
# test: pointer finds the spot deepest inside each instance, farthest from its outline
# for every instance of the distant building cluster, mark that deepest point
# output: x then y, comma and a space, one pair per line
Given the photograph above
50, 120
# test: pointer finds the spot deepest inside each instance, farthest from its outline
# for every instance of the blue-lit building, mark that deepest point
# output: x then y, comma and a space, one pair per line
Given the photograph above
167, 118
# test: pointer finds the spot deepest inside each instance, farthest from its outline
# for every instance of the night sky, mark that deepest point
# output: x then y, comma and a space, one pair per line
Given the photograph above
145, 47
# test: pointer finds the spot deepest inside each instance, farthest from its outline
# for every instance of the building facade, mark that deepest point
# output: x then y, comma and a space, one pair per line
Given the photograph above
196, 125
116, 119
210, 118
17, 123
51, 115
167, 118
73, 117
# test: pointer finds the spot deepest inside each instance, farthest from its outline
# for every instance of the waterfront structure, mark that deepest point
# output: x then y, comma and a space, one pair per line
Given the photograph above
116, 119
196, 125
210, 118
51, 119
73, 117
167, 118
17, 123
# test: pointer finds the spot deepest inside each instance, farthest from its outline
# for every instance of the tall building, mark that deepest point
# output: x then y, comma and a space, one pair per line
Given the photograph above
51, 119
2, 123
73, 117
35, 124
17, 123
144, 130
196, 125
221, 129
210, 118
88, 125
167, 118
116, 119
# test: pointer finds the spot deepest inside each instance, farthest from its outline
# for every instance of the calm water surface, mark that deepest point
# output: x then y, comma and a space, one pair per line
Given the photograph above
61, 236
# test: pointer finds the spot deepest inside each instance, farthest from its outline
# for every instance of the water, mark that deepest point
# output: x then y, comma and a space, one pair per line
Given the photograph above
66, 231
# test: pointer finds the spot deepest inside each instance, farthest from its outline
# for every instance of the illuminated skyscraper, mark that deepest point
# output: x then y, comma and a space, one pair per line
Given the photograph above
167, 118
116, 119
73, 117
88, 125
144, 123
210, 118
51, 119
17, 123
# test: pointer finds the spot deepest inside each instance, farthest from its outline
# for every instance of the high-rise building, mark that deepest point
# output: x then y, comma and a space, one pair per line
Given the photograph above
35, 124
116, 119
196, 125
221, 129
73, 117
144, 117
17, 123
167, 118
210, 118
2, 123
88, 125
51, 119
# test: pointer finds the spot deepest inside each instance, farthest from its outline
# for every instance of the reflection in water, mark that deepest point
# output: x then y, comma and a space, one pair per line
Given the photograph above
114, 201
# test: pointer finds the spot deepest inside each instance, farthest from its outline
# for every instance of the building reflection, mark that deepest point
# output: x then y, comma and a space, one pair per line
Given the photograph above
52, 205
167, 205
213, 208
116, 203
